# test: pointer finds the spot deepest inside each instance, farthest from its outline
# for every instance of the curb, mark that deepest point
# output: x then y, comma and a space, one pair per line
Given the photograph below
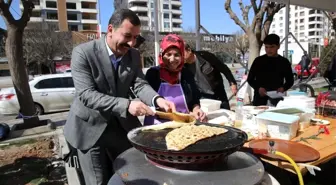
71, 173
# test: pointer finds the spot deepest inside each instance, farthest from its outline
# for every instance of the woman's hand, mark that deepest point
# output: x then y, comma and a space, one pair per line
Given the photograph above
199, 114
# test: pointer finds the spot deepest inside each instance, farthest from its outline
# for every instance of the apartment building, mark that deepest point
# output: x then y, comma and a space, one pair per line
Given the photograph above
71, 15
170, 13
310, 27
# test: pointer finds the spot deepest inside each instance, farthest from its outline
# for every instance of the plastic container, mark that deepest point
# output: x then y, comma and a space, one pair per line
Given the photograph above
276, 125
208, 105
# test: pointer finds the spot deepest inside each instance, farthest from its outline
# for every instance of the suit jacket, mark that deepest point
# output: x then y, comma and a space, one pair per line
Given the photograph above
101, 98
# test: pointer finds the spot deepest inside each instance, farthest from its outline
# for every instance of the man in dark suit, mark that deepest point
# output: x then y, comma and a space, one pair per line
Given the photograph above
102, 113
207, 69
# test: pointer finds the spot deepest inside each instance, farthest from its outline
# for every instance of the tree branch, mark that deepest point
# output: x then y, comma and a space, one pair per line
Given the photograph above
272, 9
245, 11
254, 5
234, 16
258, 17
28, 7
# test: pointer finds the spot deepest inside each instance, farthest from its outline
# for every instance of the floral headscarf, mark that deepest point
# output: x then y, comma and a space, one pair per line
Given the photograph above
171, 40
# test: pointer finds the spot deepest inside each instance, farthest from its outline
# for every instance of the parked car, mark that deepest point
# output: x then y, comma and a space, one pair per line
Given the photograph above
51, 93
312, 69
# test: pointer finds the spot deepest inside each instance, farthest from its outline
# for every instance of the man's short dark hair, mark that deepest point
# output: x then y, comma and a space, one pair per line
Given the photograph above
139, 40
187, 47
272, 39
120, 15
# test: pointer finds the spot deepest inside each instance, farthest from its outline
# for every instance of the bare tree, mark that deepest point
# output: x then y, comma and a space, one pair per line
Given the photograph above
241, 43
46, 43
147, 49
256, 30
14, 53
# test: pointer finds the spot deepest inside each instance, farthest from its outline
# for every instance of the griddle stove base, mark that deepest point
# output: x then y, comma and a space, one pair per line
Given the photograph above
238, 168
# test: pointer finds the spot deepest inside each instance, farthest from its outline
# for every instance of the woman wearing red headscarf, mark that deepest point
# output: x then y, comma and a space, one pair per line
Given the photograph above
174, 82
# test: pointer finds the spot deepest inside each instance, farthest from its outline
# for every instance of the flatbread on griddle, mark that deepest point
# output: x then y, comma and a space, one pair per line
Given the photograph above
180, 138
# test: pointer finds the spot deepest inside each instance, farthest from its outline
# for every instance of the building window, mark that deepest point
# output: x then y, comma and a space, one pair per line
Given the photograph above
72, 17
36, 14
166, 15
296, 14
302, 13
296, 21
302, 34
281, 30
280, 18
301, 27
296, 7
71, 6
281, 24
280, 11
152, 15
73, 27
301, 20
273, 26
36, 2
301, 7
51, 15
166, 6
51, 4
152, 5
166, 25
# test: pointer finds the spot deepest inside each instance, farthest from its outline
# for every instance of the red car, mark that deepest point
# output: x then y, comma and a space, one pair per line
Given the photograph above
312, 69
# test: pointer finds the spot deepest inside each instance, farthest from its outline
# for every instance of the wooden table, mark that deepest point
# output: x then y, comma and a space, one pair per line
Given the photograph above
326, 146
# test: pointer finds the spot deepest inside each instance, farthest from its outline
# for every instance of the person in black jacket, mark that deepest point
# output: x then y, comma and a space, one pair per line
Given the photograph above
174, 82
207, 69
304, 63
270, 72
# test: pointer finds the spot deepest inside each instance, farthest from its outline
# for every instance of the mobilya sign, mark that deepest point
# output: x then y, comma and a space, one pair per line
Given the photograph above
219, 37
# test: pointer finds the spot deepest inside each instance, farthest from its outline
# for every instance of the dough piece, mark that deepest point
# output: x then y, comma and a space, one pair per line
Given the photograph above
185, 136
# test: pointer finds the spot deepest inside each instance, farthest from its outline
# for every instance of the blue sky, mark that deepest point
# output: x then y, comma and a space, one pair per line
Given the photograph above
213, 15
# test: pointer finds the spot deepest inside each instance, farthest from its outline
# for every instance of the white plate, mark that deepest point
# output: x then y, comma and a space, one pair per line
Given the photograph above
320, 121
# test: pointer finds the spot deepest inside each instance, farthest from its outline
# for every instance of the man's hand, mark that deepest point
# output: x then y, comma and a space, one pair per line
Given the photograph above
168, 106
199, 114
262, 92
137, 108
234, 89
281, 90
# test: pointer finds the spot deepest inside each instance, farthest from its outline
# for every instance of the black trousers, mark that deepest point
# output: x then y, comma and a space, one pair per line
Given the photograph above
97, 162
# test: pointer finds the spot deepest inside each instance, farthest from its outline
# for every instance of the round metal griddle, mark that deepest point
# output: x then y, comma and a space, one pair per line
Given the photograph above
153, 144
237, 168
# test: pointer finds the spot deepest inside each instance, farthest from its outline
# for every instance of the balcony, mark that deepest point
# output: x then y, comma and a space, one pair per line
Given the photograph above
36, 19
91, 1
88, 10
174, 11
176, 2
89, 21
177, 29
139, 9
177, 21
144, 18
131, 1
